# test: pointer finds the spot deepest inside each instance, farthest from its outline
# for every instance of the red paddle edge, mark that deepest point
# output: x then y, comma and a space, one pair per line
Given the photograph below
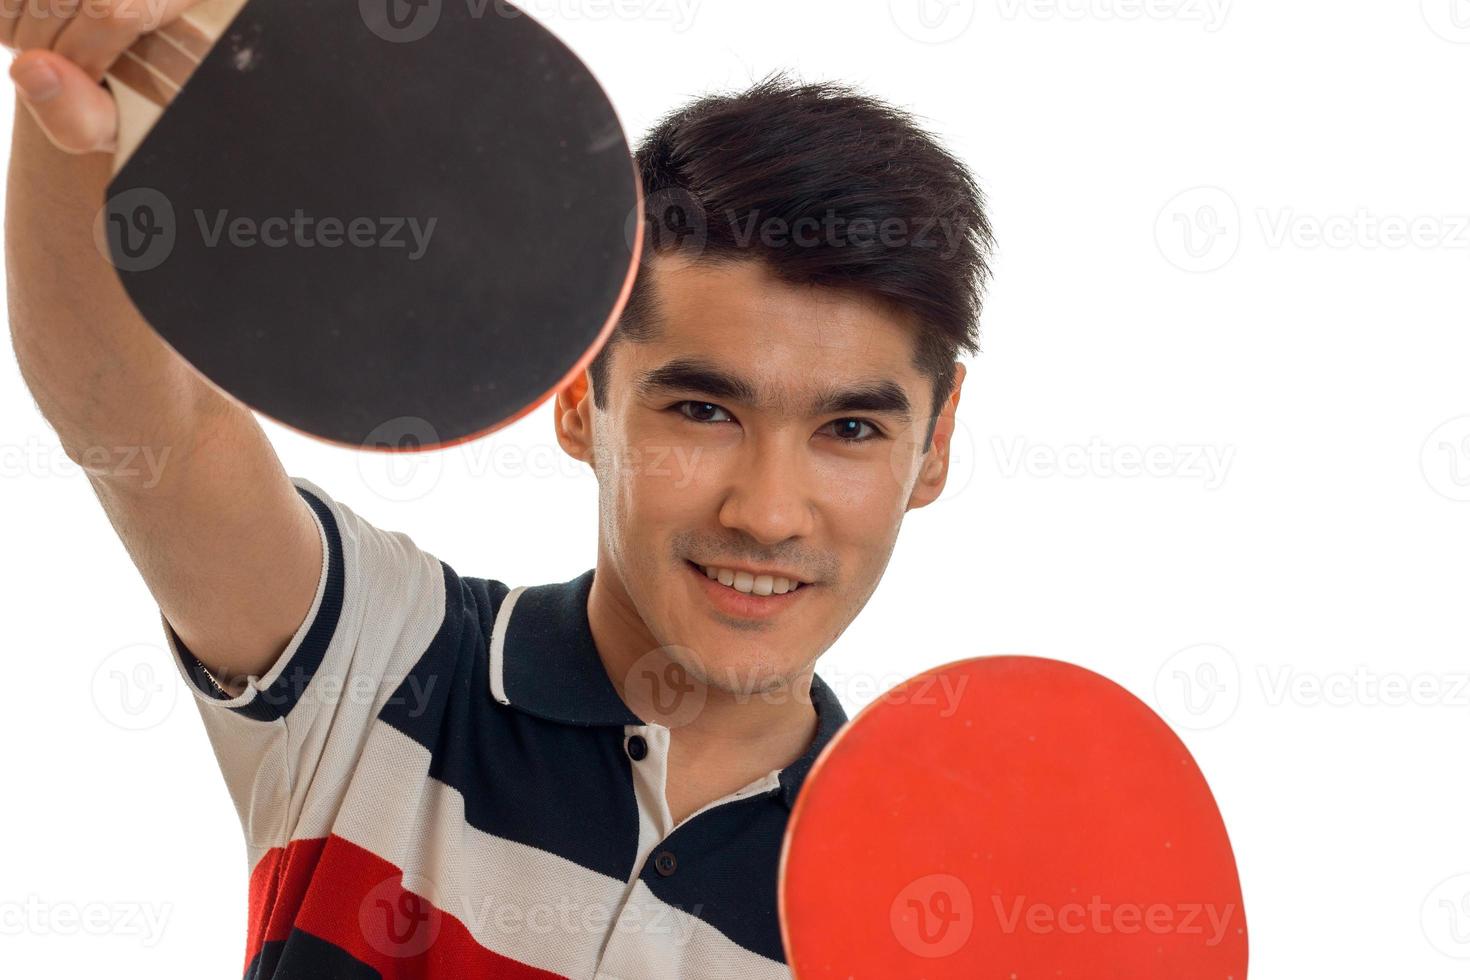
826, 755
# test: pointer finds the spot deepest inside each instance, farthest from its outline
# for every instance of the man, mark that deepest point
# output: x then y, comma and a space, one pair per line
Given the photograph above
441, 775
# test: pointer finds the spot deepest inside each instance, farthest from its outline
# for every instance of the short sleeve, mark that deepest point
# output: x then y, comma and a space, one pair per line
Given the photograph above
288, 743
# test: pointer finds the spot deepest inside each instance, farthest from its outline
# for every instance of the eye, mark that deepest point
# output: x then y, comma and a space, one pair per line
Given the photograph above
848, 430
701, 406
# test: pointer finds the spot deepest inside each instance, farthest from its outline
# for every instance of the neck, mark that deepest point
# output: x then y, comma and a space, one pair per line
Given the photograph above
738, 733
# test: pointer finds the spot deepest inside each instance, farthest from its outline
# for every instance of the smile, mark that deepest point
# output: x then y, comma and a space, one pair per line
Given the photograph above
757, 599
749, 583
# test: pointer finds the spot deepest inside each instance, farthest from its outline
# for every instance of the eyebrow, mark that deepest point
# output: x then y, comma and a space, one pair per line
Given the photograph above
880, 395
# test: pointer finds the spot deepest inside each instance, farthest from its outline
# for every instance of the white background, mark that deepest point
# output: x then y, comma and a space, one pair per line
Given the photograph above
1202, 209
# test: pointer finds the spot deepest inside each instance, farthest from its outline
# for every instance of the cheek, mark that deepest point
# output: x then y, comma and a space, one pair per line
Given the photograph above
655, 484
863, 495
672, 468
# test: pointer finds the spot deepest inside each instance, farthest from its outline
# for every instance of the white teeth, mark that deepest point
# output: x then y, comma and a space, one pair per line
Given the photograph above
763, 585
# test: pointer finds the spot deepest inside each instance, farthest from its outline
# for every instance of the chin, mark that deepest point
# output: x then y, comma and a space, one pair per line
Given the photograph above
742, 673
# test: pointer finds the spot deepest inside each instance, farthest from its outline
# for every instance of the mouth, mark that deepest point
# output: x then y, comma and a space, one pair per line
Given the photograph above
746, 602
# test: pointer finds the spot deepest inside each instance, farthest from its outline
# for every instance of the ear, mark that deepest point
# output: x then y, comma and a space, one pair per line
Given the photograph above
573, 417
934, 470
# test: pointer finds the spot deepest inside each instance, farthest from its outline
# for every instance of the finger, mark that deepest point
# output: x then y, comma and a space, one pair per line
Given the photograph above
11, 11
106, 28
77, 114
43, 22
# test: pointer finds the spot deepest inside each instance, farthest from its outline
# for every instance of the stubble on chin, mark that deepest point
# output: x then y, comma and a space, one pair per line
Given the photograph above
752, 678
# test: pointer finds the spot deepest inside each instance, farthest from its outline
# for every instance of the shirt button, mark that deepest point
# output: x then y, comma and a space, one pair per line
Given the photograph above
664, 863
637, 747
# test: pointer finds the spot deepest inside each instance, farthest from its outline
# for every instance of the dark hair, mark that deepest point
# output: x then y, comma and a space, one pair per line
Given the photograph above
732, 177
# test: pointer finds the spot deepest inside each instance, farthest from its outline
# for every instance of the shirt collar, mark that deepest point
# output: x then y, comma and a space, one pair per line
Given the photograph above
543, 662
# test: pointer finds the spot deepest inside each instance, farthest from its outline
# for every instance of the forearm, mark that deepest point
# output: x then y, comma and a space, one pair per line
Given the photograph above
101, 377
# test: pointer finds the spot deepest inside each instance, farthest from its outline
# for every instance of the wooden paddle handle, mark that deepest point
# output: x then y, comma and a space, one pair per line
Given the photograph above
150, 74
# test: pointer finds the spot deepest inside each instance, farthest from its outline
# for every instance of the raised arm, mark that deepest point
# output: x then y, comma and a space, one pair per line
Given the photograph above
187, 477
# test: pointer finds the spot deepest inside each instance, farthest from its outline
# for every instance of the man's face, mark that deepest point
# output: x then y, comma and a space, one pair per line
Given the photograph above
808, 472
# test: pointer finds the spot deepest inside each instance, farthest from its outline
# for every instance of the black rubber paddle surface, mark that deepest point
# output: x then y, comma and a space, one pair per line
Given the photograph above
378, 237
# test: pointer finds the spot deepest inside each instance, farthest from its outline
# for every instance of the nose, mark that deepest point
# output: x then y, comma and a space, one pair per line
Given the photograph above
770, 496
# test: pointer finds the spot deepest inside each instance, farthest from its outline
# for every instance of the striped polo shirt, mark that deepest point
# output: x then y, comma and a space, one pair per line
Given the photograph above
437, 778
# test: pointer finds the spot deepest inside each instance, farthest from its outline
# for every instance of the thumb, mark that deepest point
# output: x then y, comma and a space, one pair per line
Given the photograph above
77, 114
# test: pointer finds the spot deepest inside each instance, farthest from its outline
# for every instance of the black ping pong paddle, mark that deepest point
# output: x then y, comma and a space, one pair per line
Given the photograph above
389, 225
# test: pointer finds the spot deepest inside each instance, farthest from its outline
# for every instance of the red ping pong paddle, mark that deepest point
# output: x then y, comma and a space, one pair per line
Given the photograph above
391, 224
1009, 818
